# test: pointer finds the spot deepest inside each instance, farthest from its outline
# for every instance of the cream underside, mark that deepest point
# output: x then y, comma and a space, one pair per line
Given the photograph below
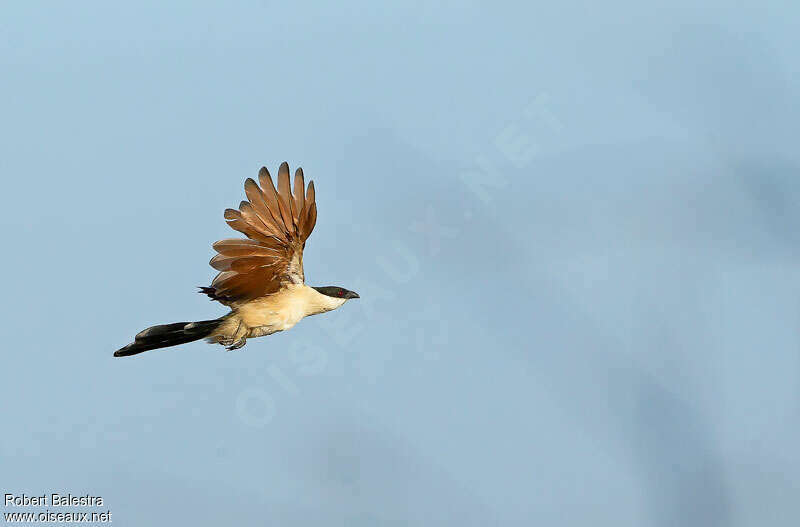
273, 313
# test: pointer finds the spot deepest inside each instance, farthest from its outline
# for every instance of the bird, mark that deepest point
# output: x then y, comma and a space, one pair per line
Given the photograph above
260, 277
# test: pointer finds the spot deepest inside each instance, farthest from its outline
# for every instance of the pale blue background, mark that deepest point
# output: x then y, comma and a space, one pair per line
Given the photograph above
574, 230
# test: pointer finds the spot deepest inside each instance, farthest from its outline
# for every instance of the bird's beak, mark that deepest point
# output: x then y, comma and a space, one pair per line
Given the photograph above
352, 294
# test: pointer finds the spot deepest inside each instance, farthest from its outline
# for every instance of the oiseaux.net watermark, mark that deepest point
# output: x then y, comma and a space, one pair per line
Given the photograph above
54, 508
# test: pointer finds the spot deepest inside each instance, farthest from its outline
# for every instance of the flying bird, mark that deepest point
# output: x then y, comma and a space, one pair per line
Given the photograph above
260, 278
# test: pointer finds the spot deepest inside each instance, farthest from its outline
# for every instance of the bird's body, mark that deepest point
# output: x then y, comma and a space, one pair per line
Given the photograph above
260, 278
277, 312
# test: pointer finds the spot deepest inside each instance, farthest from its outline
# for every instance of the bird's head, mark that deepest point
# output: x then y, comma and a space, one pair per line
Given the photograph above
337, 292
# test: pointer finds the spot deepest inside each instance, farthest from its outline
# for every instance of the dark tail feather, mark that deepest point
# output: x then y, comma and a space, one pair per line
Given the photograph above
167, 335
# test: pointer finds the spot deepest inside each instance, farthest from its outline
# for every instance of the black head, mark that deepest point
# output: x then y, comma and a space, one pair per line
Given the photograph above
337, 292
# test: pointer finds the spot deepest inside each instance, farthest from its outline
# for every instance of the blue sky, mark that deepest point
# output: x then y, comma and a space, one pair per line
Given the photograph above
573, 228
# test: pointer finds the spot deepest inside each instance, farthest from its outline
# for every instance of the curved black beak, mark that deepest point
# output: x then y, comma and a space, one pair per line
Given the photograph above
352, 294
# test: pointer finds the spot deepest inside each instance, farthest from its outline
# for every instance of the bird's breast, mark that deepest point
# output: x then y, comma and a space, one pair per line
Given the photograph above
277, 312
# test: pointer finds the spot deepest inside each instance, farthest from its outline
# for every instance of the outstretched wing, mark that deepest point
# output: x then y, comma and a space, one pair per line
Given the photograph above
277, 224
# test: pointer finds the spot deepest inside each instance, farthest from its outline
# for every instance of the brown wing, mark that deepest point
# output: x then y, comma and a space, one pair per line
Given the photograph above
277, 223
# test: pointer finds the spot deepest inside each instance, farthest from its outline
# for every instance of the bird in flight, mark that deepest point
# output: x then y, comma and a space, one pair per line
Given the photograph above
260, 278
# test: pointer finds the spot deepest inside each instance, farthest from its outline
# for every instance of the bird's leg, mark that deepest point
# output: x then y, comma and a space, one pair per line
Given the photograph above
238, 344
237, 340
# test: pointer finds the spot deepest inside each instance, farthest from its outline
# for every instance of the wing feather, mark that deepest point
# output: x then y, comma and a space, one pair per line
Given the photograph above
299, 192
236, 221
252, 217
311, 219
220, 262
271, 199
259, 203
310, 209
277, 223
285, 198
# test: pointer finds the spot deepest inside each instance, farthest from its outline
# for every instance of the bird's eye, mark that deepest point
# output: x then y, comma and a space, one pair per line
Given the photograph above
341, 293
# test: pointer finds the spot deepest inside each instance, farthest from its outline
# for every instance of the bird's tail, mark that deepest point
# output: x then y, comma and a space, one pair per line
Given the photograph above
166, 335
